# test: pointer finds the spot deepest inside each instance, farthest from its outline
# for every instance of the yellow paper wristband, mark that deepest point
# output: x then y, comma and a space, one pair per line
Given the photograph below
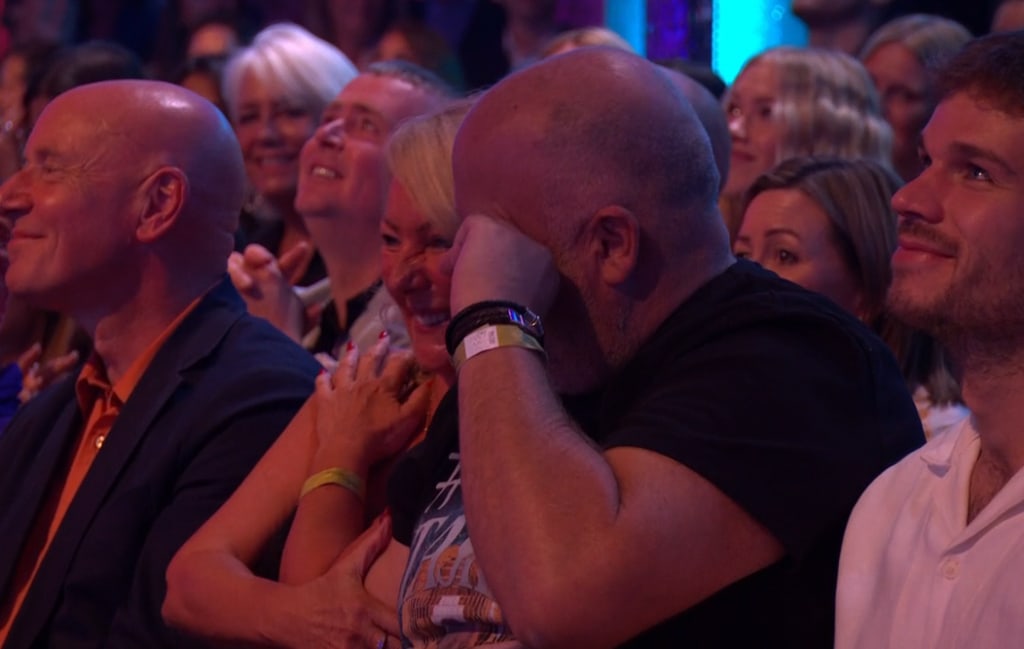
492, 337
335, 476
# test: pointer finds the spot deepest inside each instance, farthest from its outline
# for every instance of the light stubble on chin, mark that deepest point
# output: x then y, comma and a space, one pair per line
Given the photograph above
984, 306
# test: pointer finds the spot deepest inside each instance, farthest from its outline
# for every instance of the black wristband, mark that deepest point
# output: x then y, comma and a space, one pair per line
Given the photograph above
491, 312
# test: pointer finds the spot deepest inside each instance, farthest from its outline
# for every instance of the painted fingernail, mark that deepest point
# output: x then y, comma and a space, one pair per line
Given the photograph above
349, 346
383, 334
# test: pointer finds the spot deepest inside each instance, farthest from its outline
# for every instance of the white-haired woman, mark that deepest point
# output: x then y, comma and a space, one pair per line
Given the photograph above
275, 91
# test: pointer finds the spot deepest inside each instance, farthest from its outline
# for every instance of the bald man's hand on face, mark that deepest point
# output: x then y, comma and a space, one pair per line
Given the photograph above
492, 260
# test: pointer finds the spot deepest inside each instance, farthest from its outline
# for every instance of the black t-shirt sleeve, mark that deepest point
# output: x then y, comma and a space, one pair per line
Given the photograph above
787, 419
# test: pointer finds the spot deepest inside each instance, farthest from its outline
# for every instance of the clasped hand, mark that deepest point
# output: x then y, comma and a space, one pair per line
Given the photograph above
371, 406
341, 612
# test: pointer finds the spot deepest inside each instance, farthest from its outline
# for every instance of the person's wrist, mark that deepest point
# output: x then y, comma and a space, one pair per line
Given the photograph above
289, 624
492, 337
356, 458
335, 477
492, 312
282, 619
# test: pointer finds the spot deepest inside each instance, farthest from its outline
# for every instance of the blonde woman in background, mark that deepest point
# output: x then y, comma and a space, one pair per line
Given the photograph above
790, 101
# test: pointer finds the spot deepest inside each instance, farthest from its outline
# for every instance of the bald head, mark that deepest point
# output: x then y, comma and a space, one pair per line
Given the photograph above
711, 115
166, 124
589, 128
149, 125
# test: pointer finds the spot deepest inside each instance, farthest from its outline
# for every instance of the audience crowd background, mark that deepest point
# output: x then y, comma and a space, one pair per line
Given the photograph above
377, 138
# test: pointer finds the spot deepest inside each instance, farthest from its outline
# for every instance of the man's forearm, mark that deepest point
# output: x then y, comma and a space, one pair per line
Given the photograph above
534, 487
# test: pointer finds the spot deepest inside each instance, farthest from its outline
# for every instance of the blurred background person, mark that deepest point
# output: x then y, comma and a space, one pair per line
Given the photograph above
216, 35
841, 25
903, 58
583, 37
412, 40
1008, 16
204, 75
699, 72
275, 91
790, 101
21, 67
353, 26
78, 65
827, 224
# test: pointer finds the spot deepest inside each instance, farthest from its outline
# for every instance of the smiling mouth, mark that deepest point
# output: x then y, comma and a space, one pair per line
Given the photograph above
323, 172
909, 245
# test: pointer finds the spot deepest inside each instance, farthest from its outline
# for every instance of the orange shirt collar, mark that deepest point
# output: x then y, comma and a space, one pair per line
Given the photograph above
93, 382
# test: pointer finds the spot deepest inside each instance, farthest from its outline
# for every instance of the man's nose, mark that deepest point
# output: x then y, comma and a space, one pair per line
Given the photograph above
919, 198
332, 133
14, 200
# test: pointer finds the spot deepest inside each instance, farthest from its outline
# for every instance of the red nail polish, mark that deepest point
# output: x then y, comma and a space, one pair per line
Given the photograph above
349, 346
383, 334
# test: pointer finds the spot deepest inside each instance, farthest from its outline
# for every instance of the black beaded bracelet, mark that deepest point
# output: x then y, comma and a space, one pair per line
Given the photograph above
491, 312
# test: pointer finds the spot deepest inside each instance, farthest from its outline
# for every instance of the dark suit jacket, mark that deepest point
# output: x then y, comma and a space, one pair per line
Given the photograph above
215, 397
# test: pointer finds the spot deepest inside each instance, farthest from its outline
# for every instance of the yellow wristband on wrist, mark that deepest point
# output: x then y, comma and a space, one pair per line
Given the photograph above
492, 337
338, 477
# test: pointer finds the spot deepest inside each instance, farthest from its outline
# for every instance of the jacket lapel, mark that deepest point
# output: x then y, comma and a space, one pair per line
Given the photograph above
196, 337
33, 449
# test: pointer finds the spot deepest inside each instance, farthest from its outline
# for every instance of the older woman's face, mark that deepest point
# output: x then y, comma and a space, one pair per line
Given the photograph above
411, 253
789, 234
271, 128
902, 83
753, 125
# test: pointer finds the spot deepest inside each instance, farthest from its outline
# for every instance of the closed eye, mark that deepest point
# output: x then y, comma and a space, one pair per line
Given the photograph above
367, 125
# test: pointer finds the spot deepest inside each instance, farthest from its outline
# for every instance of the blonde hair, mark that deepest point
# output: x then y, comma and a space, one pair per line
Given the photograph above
290, 58
584, 37
827, 105
419, 155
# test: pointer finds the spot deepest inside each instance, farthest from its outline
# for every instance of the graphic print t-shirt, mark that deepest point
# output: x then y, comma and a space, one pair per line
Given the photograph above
444, 598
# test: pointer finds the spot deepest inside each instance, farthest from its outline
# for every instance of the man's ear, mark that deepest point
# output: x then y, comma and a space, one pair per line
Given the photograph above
163, 195
614, 234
